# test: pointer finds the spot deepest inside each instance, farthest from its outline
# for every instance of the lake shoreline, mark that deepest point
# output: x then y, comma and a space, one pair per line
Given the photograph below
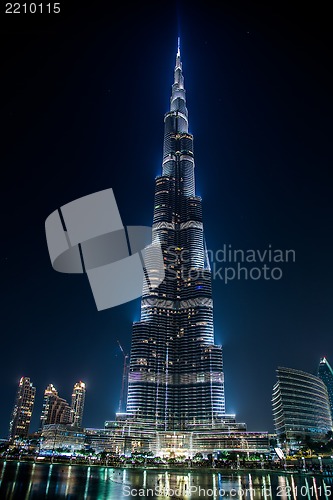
175, 468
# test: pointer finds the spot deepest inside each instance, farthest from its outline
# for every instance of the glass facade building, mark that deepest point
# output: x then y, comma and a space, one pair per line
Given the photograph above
68, 438
300, 407
77, 406
176, 370
325, 373
55, 410
22, 411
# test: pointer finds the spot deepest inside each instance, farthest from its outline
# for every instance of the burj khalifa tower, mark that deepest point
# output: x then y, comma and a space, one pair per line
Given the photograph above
176, 379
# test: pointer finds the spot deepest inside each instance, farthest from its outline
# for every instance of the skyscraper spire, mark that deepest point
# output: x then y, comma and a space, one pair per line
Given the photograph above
178, 61
178, 99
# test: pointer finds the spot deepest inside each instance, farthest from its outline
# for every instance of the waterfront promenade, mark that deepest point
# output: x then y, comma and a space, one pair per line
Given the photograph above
322, 467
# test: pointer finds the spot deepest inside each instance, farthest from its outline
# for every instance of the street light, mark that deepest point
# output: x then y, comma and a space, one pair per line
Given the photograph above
237, 461
303, 463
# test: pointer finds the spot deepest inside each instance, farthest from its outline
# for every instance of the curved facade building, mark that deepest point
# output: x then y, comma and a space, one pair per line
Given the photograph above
300, 406
176, 371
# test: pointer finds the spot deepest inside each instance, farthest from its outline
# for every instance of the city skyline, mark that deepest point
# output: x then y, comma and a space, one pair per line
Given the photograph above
258, 100
54, 409
61, 408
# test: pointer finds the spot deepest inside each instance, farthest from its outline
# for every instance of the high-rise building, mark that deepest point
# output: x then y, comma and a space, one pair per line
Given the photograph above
175, 397
325, 372
176, 371
77, 406
22, 411
300, 407
56, 410
50, 394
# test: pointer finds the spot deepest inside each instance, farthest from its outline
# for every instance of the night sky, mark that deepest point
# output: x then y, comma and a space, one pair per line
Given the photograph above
83, 98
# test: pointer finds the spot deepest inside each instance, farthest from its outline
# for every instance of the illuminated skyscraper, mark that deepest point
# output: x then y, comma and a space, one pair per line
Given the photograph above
175, 398
22, 411
325, 372
77, 406
176, 371
56, 410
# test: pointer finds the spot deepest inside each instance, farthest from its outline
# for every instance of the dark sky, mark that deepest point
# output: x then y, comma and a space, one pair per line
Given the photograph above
83, 98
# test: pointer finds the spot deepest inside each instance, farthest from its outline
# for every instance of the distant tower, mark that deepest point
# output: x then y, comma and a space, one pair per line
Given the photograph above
325, 372
78, 397
56, 410
50, 394
22, 411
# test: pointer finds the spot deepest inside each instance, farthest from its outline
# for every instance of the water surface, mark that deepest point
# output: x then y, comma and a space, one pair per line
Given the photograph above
24, 480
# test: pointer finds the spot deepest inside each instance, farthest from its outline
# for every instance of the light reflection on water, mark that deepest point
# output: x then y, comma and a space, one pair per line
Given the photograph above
20, 480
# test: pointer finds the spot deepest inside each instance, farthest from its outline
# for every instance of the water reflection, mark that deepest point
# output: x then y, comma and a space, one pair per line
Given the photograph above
20, 480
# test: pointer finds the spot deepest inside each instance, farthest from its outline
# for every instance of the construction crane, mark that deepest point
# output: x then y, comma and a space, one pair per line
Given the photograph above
123, 393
